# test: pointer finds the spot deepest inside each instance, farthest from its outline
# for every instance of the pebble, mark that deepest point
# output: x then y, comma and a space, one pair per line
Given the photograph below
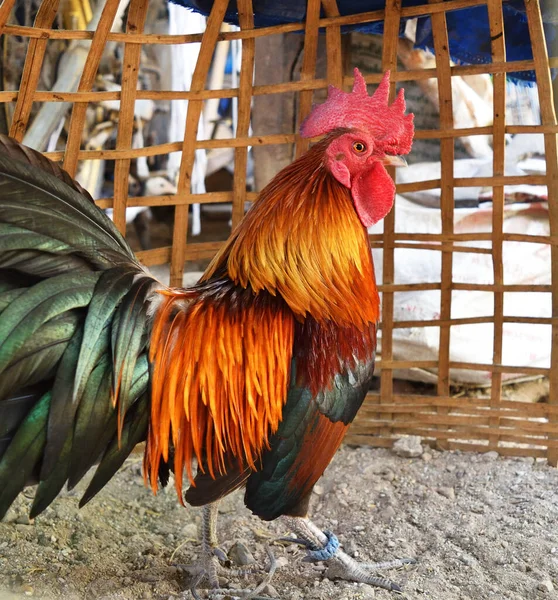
546, 586
408, 447
189, 531
492, 455
318, 490
388, 475
282, 561
240, 555
427, 457
351, 548
446, 492
388, 513
270, 591
466, 560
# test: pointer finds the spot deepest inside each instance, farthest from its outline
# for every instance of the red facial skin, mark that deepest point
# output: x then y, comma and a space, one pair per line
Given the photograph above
356, 162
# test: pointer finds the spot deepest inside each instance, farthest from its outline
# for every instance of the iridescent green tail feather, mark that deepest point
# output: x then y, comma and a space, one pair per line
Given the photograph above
73, 333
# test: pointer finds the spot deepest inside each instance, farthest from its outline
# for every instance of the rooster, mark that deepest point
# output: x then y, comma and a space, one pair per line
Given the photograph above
252, 376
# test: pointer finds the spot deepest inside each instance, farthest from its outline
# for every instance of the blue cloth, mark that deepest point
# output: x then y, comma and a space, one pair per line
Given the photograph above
468, 30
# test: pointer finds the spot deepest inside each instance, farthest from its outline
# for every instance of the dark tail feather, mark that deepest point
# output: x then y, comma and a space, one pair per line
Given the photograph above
23, 454
13, 411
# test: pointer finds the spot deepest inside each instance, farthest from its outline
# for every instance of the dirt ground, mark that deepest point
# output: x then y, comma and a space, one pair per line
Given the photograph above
480, 526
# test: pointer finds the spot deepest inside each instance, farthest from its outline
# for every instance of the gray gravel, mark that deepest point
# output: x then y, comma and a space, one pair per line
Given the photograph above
480, 526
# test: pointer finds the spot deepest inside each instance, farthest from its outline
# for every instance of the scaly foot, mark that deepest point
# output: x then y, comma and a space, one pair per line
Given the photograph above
209, 566
324, 546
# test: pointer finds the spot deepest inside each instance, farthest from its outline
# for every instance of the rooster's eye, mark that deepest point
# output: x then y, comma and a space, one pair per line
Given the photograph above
359, 147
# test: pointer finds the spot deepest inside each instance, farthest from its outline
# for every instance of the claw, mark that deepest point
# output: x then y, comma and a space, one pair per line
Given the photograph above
342, 566
208, 568
324, 546
221, 555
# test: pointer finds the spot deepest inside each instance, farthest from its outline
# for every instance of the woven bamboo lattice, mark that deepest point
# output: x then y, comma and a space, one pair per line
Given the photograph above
484, 423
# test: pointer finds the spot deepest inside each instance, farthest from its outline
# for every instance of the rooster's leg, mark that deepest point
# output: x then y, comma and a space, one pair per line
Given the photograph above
209, 567
325, 547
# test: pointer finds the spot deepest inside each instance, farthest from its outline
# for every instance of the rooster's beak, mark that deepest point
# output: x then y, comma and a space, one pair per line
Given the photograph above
393, 161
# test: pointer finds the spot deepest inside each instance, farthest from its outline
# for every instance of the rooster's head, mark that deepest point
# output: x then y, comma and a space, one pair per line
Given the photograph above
367, 133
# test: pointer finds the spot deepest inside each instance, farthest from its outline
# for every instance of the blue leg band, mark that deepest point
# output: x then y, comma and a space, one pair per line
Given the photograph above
328, 551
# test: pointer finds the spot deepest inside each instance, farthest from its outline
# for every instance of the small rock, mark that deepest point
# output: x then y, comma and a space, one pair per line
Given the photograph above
408, 447
545, 586
240, 555
388, 475
319, 568
466, 560
427, 457
282, 561
387, 513
351, 548
447, 492
318, 490
23, 520
270, 591
189, 532
492, 455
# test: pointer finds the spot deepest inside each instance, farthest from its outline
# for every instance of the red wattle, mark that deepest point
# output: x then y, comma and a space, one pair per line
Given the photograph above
373, 192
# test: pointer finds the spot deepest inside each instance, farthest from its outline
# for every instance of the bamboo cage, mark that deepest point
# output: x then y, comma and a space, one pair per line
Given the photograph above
481, 424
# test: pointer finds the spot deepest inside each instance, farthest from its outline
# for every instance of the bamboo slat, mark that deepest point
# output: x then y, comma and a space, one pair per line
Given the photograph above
90, 68
5, 10
294, 86
496, 23
491, 422
333, 46
441, 51
297, 86
137, 13
548, 117
32, 70
180, 230
357, 19
310, 56
389, 62
246, 19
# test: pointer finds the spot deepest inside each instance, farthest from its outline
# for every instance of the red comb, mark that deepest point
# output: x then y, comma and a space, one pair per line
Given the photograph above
389, 125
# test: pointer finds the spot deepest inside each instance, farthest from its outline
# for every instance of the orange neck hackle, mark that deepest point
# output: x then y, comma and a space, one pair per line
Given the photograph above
303, 240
